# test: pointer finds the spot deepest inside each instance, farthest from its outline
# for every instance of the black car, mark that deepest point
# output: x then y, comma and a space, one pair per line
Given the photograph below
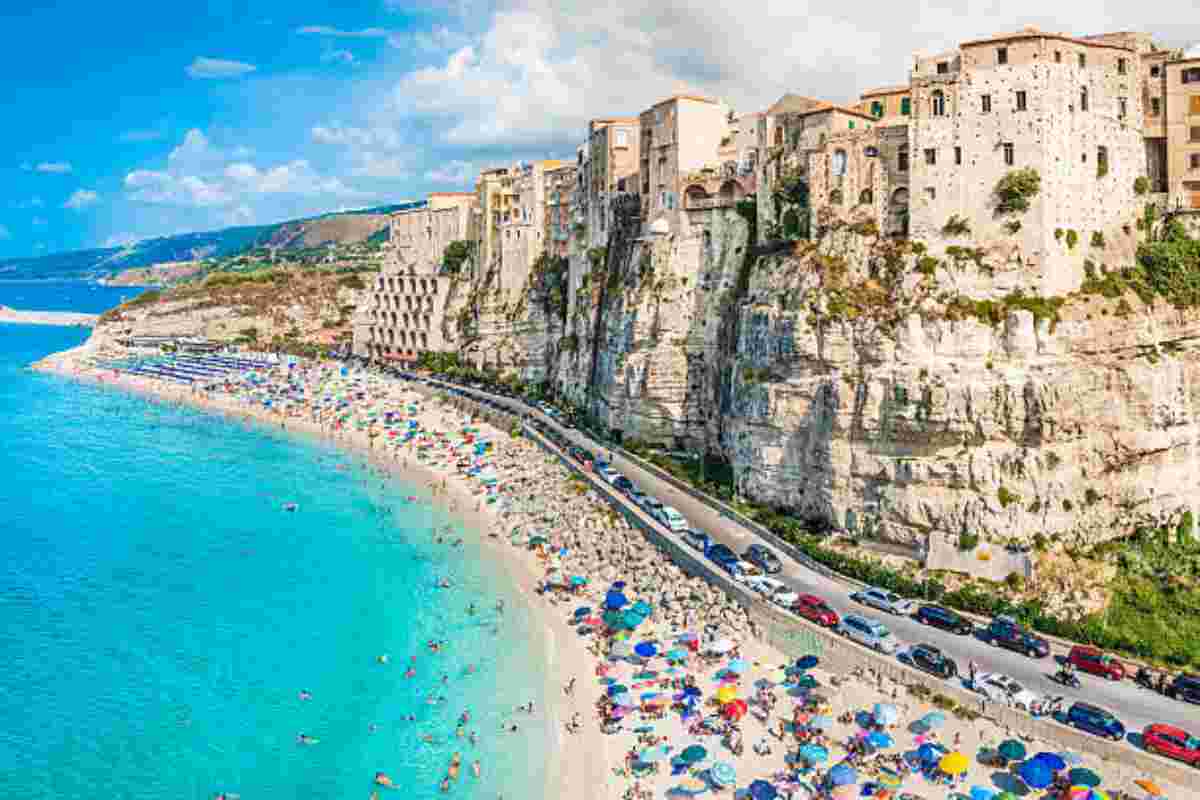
944, 618
932, 660
1005, 632
622, 484
762, 558
1185, 687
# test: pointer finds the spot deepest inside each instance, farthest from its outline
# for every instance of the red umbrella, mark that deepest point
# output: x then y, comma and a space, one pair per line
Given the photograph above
735, 709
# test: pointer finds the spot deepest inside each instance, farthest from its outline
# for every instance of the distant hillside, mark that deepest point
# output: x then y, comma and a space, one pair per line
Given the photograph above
346, 227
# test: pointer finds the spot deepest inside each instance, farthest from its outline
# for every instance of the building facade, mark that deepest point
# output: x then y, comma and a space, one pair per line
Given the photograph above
677, 136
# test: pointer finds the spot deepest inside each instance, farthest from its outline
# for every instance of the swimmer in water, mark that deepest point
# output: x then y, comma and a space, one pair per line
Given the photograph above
410, 673
475, 768
383, 659
305, 739
305, 694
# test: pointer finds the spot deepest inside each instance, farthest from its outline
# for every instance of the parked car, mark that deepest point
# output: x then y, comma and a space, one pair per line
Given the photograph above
868, 633
744, 571
932, 660
723, 557
672, 519
815, 609
1002, 689
608, 474
765, 586
1172, 742
1095, 720
1005, 632
1185, 687
652, 505
883, 600
944, 618
1096, 662
764, 558
635, 494
697, 539
622, 484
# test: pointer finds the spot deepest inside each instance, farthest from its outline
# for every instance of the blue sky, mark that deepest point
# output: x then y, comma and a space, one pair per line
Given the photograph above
138, 119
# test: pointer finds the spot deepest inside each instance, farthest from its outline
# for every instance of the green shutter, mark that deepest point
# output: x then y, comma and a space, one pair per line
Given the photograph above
906, 106
851, 124
877, 109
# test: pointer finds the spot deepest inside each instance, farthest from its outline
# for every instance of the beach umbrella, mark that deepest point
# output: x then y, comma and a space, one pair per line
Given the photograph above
806, 682
934, 719
880, 739
1036, 773
722, 646
723, 774
616, 689
1011, 749
738, 665
806, 662
693, 754
842, 775
886, 713
675, 654
1053, 761
691, 691
735, 709
1082, 776
613, 599
761, 790
726, 694
954, 763
617, 586
982, 793
821, 723
814, 753
632, 619
657, 753
578, 580
1087, 793
1149, 787
928, 753
692, 786
645, 649
642, 608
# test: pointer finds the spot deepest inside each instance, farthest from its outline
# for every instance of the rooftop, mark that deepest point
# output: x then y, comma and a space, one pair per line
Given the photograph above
1033, 32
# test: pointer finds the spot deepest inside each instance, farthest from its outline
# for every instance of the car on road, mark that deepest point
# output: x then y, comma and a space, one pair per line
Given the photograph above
744, 571
1002, 689
764, 558
868, 633
1005, 632
944, 618
608, 474
652, 505
635, 494
723, 557
697, 539
932, 660
579, 454
1096, 662
883, 600
816, 610
622, 484
774, 590
1095, 720
1172, 742
672, 519
1185, 687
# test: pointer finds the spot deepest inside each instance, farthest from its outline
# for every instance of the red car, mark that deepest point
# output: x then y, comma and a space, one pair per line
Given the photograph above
814, 608
1090, 659
1172, 742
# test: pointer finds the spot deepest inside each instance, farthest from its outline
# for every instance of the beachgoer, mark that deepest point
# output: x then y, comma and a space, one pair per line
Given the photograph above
305, 694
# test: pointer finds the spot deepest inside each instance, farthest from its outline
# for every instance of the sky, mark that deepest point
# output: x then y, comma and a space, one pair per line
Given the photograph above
132, 120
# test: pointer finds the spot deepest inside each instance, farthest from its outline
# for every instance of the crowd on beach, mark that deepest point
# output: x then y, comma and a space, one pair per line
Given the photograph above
680, 679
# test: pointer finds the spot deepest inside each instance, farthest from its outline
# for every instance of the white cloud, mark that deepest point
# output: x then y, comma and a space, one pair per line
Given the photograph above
81, 199
53, 167
336, 133
325, 30
338, 57
5, 233
457, 173
204, 67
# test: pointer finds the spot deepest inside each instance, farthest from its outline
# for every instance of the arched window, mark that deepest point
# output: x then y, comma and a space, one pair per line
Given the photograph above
938, 104
902, 158
779, 136
866, 197
838, 163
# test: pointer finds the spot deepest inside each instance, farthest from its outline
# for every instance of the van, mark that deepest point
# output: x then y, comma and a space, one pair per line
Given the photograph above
1096, 662
1095, 720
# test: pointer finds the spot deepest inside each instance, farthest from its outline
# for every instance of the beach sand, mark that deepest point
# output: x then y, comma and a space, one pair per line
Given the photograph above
589, 763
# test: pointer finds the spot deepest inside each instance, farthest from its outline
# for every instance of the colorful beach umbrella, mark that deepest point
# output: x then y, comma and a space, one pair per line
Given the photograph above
886, 714
1011, 749
954, 763
726, 694
982, 793
1081, 776
1149, 787
1087, 793
761, 790
693, 754
613, 600
880, 740
723, 774
735, 709
842, 775
814, 753
1036, 773
806, 682
645, 649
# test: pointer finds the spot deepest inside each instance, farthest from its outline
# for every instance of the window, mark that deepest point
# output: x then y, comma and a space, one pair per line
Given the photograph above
1194, 161
1155, 71
1122, 107
1194, 134
1058, 56
1008, 154
906, 106
1022, 99
1194, 104
1083, 99
1002, 55
1101, 161
987, 103
943, 68
839, 162
938, 104
876, 109
902, 158
931, 193
958, 156
1190, 75
1155, 106
1082, 60
930, 156
622, 139
1120, 66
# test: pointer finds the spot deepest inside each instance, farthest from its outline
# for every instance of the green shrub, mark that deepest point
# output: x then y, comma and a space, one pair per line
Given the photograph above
1141, 185
1015, 581
1006, 497
1072, 239
956, 226
968, 541
1013, 226
1015, 190
1098, 239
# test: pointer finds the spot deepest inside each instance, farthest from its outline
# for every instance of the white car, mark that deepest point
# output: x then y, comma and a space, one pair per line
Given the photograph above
744, 572
609, 474
884, 601
1003, 689
774, 590
672, 519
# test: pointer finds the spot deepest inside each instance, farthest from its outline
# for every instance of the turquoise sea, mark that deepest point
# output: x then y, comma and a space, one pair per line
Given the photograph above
160, 613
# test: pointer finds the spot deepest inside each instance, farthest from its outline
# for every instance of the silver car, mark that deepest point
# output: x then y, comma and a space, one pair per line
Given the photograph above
868, 633
883, 600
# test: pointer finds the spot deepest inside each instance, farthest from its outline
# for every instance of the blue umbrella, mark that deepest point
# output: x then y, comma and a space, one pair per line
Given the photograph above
643, 608
583, 611
806, 662
1052, 760
1036, 773
761, 790
618, 585
842, 775
886, 713
880, 739
814, 753
723, 774
692, 754
934, 719
691, 691
645, 649
738, 665
615, 600
617, 689
928, 753
982, 793
632, 619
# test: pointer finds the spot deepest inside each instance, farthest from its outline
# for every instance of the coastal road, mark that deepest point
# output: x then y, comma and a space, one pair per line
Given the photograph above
1134, 706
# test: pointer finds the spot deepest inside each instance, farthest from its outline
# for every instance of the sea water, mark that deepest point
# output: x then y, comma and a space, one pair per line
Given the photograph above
160, 612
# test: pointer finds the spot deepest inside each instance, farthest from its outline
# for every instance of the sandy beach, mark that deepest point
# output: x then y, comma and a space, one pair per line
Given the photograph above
63, 318
685, 673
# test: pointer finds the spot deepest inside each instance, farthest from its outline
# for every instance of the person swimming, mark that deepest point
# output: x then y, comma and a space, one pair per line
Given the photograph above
383, 659
302, 738
290, 506
305, 694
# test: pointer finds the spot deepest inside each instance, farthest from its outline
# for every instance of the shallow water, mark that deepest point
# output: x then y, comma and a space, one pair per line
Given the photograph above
160, 612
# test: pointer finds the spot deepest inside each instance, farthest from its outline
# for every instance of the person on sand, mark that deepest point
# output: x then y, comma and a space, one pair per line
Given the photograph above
475, 770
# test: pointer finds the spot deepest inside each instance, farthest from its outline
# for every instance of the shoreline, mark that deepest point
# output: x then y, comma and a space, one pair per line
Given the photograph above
563, 654
63, 319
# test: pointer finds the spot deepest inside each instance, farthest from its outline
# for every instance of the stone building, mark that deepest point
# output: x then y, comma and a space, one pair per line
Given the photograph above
677, 136
559, 191
405, 305
1173, 115
609, 166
